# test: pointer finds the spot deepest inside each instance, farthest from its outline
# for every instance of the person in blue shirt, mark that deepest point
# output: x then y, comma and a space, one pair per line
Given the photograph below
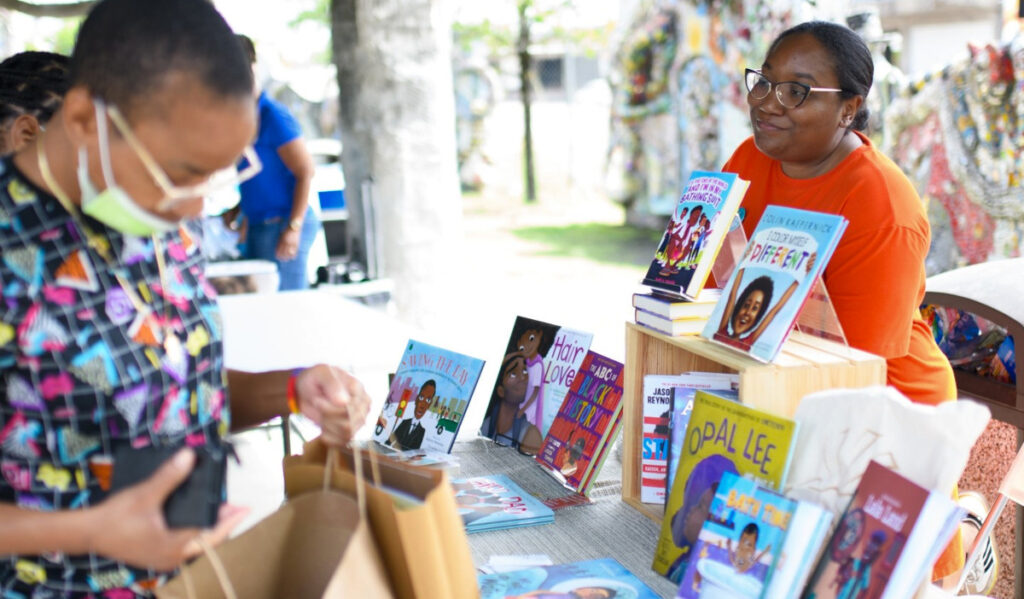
280, 225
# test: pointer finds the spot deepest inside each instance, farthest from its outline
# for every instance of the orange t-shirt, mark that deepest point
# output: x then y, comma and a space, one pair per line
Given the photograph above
876, 276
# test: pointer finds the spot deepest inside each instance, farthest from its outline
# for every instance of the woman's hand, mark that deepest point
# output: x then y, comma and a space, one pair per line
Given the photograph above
288, 245
130, 527
335, 400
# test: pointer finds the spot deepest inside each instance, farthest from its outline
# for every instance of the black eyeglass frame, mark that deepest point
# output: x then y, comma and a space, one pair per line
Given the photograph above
778, 95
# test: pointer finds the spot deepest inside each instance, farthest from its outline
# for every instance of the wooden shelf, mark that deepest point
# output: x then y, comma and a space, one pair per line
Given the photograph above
805, 364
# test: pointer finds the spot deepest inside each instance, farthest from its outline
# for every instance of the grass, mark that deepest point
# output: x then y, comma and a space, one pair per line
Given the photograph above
599, 242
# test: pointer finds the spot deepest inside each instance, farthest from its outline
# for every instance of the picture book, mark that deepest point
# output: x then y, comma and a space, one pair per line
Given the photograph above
674, 308
584, 422
808, 528
722, 385
721, 436
428, 398
695, 232
786, 254
740, 541
887, 539
495, 502
541, 361
654, 458
594, 578
673, 328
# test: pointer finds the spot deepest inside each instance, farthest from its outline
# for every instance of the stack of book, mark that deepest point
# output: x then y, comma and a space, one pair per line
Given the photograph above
496, 502
678, 304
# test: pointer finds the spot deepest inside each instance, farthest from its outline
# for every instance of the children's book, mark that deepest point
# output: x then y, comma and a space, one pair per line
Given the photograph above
886, 540
594, 578
673, 308
584, 424
540, 363
740, 541
808, 528
760, 302
673, 328
495, 502
695, 232
657, 392
722, 385
428, 398
721, 436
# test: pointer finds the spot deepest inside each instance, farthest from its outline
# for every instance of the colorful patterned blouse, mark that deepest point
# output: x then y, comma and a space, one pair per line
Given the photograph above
83, 371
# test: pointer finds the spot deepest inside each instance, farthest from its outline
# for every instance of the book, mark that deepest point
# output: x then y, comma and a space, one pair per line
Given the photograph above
427, 399
540, 362
674, 328
593, 578
740, 541
695, 232
495, 502
657, 393
584, 424
721, 436
887, 538
805, 536
786, 254
724, 385
674, 308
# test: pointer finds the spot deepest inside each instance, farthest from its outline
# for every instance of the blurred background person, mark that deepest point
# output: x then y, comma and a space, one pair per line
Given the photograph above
32, 86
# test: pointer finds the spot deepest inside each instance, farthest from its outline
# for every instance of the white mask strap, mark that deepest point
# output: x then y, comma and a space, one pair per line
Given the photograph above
104, 139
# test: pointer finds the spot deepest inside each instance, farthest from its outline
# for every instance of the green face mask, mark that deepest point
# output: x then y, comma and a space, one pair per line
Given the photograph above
113, 206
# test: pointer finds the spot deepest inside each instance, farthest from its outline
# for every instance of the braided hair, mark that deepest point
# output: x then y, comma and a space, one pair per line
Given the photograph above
33, 83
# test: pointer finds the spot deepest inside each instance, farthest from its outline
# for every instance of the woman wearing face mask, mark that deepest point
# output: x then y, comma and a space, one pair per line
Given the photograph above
110, 339
807, 109
32, 85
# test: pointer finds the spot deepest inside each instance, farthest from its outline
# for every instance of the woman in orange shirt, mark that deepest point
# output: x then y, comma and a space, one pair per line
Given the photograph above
807, 107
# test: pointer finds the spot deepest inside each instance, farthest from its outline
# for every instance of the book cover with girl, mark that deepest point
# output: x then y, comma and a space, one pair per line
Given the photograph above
740, 541
762, 298
427, 399
721, 436
584, 422
695, 232
540, 362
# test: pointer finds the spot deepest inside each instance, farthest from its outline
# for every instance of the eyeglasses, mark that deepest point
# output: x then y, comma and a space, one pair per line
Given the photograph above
173, 194
791, 94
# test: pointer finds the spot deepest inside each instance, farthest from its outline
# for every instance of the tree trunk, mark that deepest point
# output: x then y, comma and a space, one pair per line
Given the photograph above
397, 120
526, 94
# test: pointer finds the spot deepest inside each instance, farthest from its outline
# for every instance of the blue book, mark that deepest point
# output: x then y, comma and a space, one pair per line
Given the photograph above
727, 386
594, 578
760, 302
739, 543
427, 401
495, 502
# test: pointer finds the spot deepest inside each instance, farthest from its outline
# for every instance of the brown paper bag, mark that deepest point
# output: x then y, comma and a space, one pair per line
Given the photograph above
424, 546
316, 546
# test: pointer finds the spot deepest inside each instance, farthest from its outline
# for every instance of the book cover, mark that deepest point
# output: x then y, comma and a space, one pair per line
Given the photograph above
584, 421
675, 308
657, 393
786, 254
428, 398
721, 436
805, 536
886, 540
604, 578
695, 232
495, 502
674, 328
739, 542
722, 385
540, 362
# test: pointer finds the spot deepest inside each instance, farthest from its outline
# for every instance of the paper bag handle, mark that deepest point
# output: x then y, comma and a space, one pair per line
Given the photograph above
218, 570
332, 461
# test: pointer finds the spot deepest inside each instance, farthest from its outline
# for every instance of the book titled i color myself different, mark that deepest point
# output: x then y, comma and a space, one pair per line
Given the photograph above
760, 302
428, 398
695, 233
